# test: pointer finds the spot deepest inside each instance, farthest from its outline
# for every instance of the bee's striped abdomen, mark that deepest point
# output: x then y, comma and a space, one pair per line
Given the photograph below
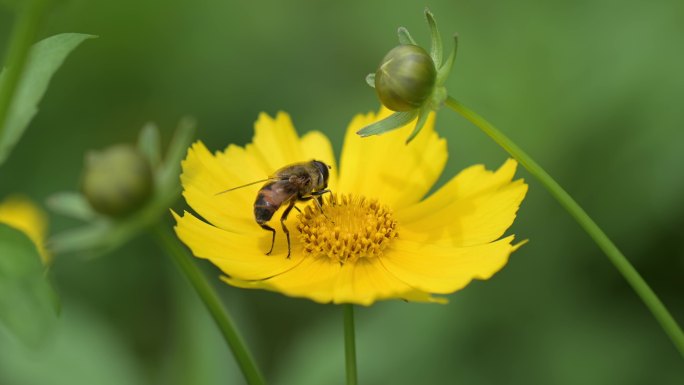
270, 198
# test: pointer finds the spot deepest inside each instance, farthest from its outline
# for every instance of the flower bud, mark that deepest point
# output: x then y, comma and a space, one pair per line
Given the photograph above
117, 180
406, 78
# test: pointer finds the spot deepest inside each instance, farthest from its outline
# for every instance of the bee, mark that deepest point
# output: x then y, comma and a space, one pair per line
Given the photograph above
297, 182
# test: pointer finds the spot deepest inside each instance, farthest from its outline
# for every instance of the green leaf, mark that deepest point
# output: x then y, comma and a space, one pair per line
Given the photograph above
149, 144
169, 173
27, 300
71, 204
45, 58
392, 122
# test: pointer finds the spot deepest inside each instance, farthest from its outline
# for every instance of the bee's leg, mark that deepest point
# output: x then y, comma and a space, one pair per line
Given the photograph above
297, 208
283, 218
319, 197
272, 230
319, 200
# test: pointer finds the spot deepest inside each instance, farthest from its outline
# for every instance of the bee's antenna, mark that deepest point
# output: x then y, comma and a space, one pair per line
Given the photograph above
244, 185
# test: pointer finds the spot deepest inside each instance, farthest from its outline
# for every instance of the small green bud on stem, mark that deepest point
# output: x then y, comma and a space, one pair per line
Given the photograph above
405, 78
117, 181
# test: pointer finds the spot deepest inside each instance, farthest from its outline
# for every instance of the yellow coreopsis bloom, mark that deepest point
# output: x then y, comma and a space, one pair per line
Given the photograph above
22, 214
378, 236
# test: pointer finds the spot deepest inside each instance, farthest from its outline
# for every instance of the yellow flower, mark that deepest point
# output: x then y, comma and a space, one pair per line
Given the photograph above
379, 238
20, 213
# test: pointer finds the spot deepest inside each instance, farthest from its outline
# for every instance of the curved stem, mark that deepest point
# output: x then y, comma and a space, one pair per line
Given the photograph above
350, 344
212, 302
630, 274
23, 35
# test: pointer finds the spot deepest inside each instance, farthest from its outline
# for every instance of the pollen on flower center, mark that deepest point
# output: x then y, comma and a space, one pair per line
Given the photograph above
350, 227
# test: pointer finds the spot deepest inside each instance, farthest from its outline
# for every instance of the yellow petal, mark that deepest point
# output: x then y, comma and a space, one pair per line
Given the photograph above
276, 143
204, 176
442, 270
366, 281
325, 281
237, 255
22, 214
385, 167
313, 278
477, 206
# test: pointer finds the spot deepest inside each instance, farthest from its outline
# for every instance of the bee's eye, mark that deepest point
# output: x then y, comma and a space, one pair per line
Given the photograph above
323, 169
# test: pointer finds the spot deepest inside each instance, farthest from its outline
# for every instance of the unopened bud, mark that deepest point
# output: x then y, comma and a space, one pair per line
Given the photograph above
405, 78
117, 181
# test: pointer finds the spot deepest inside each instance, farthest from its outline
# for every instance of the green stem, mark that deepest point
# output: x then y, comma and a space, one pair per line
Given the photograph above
630, 274
23, 35
212, 302
350, 344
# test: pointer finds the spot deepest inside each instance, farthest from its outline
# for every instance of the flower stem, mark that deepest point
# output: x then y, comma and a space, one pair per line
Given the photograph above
212, 302
350, 344
630, 274
24, 33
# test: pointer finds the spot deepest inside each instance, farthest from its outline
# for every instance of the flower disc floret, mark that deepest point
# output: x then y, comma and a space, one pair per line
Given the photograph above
349, 228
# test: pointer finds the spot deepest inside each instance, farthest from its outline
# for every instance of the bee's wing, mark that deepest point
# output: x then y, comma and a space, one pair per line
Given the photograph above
248, 184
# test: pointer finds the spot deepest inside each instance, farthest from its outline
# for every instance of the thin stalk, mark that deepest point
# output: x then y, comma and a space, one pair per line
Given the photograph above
630, 274
213, 303
350, 344
24, 33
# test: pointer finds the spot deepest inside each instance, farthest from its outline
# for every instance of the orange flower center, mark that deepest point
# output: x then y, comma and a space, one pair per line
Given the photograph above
350, 227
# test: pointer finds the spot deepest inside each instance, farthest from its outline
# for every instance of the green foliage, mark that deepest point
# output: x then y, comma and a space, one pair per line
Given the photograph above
101, 234
27, 301
84, 350
149, 144
44, 60
591, 89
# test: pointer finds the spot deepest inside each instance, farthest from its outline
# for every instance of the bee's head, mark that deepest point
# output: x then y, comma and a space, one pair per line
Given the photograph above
324, 174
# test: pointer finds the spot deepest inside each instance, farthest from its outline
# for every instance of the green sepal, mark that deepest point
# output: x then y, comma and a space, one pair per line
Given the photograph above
149, 144
43, 61
436, 47
445, 69
420, 122
392, 122
28, 305
370, 79
71, 204
405, 36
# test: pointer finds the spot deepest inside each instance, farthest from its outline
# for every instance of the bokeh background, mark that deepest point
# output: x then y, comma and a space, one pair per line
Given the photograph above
592, 89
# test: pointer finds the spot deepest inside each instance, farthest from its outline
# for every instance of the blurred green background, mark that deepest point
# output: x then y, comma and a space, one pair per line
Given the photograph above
592, 89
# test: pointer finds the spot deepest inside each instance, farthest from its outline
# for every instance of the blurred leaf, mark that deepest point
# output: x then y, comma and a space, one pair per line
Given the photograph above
84, 350
45, 58
149, 143
71, 204
27, 301
169, 174
85, 238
